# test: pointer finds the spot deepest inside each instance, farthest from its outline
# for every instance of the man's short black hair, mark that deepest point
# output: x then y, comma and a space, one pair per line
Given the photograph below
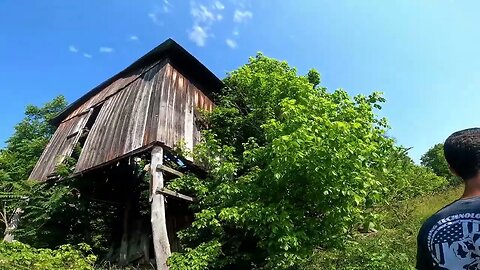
462, 152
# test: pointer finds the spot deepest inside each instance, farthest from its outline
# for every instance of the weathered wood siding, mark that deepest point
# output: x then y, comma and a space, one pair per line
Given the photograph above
109, 91
158, 106
61, 145
154, 104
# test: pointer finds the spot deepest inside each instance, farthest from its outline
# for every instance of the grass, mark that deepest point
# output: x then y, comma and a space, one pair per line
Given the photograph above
425, 206
394, 245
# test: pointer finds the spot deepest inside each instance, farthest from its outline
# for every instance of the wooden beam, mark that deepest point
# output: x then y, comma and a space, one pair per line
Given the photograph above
169, 170
53, 177
175, 194
158, 217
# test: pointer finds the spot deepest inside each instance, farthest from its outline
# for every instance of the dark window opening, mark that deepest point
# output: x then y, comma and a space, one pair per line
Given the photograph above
85, 131
93, 117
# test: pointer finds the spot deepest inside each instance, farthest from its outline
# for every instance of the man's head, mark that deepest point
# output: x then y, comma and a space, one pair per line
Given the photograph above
462, 152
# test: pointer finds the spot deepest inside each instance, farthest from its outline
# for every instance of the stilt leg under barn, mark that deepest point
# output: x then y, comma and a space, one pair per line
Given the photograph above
158, 217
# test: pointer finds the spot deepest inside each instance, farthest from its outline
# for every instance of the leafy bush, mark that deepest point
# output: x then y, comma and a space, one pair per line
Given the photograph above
434, 159
292, 167
17, 256
19, 156
403, 179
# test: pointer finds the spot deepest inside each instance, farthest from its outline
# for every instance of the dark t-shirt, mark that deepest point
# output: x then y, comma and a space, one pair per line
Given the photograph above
450, 239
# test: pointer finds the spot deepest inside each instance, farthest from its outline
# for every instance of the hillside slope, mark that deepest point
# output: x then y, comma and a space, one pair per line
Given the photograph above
394, 246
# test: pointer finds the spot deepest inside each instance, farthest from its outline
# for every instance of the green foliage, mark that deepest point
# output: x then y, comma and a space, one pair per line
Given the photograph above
55, 213
291, 168
66, 168
434, 159
21, 256
394, 247
45, 207
313, 77
404, 179
198, 258
26, 145
45, 201
17, 160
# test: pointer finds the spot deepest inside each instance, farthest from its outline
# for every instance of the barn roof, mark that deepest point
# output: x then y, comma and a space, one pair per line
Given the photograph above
170, 50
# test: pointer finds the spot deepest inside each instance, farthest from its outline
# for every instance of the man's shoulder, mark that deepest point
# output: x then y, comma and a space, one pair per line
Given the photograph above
444, 212
456, 210
451, 236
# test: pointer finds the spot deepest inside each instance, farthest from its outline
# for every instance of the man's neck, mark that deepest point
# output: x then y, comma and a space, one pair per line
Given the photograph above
470, 191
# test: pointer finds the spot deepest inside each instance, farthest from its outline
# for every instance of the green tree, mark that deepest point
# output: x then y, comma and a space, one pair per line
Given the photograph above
313, 77
18, 158
52, 213
434, 159
31, 136
290, 168
406, 180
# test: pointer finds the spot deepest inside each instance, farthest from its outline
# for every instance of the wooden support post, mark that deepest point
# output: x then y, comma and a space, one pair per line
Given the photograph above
158, 218
145, 245
123, 260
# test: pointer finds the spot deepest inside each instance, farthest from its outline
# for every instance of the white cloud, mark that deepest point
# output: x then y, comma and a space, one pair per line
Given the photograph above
166, 6
236, 33
153, 17
202, 14
133, 37
242, 16
204, 17
231, 43
158, 9
218, 5
198, 35
105, 49
86, 55
72, 49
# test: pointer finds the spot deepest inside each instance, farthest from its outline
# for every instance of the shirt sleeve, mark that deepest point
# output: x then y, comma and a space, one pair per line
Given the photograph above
424, 259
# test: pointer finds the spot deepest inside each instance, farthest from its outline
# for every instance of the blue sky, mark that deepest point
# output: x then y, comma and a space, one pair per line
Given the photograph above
424, 55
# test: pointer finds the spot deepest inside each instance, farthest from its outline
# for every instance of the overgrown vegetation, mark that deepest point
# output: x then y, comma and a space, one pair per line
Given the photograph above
18, 256
26, 145
392, 247
293, 168
434, 159
297, 176
18, 158
37, 203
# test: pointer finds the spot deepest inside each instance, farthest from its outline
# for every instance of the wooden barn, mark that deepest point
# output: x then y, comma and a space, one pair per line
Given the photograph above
146, 110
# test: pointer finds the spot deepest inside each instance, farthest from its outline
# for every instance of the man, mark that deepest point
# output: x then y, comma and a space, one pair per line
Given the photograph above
450, 239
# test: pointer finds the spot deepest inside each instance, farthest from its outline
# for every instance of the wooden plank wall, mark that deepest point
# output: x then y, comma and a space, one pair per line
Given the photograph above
108, 91
61, 145
156, 107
